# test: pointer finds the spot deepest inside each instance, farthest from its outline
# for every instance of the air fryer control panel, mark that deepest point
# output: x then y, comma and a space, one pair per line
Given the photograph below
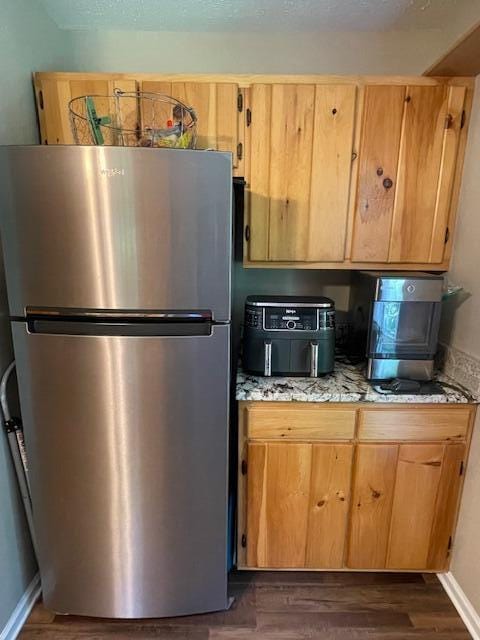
289, 318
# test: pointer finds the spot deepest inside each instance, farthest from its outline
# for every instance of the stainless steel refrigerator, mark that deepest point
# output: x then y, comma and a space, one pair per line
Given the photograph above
118, 266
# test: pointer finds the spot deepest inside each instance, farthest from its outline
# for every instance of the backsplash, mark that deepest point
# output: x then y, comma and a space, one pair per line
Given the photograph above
460, 366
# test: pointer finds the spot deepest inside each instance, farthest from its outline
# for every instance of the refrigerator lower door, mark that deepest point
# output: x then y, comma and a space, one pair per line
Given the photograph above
127, 441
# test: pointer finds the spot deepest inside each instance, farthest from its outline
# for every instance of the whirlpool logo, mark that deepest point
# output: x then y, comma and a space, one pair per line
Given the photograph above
111, 173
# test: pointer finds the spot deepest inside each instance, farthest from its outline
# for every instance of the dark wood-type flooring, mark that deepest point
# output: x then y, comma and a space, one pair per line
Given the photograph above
290, 606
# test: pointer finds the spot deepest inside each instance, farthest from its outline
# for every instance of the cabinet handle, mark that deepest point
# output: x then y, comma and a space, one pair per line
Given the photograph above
247, 232
379, 171
387, 183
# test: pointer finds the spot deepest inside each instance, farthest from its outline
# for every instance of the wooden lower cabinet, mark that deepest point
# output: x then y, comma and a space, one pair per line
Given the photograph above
298, 498
404, 504
349, 503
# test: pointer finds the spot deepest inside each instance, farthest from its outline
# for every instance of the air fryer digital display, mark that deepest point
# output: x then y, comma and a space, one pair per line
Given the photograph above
291, 319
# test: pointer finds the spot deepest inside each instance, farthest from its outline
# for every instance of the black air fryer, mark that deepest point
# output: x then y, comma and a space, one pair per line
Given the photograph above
289, 336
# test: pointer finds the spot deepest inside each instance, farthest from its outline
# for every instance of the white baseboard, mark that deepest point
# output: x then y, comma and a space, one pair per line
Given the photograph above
21, 612
462, 604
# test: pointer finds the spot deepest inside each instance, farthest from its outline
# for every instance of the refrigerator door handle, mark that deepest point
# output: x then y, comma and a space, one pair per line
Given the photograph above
118, 315
109, 328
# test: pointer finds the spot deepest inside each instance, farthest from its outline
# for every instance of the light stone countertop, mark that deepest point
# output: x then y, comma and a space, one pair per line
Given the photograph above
346, 384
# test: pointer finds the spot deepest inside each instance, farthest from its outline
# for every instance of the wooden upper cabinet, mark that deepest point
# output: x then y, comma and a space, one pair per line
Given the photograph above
378, 162
301, 141
347, 173
53, 97
297, 504
215, 105
407, 162
428, 152
404, 504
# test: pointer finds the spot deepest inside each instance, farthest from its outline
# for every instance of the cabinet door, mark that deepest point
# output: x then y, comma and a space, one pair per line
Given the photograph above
53, 97
300, 162
215, 105
372, 494
426, 167
378, 161
407, 161
297, 504
404, 505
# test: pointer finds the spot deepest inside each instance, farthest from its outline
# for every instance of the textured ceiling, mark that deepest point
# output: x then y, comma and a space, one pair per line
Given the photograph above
255, 15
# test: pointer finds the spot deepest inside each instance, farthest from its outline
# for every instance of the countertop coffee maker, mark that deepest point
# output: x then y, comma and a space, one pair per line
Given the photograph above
289, 336
396, 318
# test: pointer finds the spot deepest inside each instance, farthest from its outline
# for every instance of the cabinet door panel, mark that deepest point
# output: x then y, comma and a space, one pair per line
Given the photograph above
418, 173
290, 170
446, 506
404, 505
331, 168
378, 158
448, 163
301, 139
278, 498
297, 504
53, 111
106, 105
373, 485
260, 152
55, 114
256, 515
328, 505
215, 105
418, 477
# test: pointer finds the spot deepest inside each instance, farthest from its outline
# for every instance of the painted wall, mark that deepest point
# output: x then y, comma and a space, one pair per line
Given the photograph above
28, 40
397, 52
461, 330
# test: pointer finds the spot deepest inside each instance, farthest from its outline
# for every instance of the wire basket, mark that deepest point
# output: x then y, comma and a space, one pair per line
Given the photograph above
133, 119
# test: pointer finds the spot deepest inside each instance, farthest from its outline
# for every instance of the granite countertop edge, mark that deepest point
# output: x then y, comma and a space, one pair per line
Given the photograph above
346, 384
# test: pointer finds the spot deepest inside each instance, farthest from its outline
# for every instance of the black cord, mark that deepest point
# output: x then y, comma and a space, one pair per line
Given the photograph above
461, 390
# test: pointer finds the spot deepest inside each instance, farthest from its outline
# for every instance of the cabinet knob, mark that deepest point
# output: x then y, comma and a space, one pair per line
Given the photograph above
387, 183
379, 171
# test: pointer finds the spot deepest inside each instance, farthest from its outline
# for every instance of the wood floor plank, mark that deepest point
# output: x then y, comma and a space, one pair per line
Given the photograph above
414, 600
290, 606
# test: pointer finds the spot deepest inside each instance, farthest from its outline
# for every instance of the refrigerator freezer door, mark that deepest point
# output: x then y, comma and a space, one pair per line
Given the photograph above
116, 228
127, 441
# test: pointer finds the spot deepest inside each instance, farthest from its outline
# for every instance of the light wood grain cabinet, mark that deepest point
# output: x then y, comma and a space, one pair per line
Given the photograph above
215, 103
54, 92
360, 490
341, 172
404, 505
300, 164
407, 157
298, 500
